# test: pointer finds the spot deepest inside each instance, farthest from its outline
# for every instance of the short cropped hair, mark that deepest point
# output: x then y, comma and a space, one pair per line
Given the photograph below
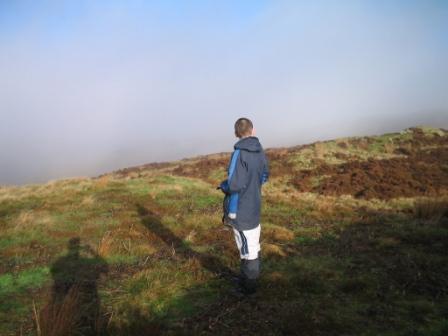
243, 127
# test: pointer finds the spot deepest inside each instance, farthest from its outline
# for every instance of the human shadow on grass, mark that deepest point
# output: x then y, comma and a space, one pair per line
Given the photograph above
154, 224
138, 323
74, 305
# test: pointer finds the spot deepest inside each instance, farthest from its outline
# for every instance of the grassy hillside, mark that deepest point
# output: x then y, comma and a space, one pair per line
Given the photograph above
354, 242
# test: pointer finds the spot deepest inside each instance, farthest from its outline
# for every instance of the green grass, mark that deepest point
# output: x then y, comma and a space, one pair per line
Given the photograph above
120, 259
11, 284
283, 214
21, 238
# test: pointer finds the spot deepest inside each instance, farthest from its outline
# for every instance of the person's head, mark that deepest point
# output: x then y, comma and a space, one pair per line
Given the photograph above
244, 128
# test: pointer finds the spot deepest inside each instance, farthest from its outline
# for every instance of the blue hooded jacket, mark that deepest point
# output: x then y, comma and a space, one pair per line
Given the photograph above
247, 171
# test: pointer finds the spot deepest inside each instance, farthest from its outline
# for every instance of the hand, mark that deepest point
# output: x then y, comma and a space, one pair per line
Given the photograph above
224, 187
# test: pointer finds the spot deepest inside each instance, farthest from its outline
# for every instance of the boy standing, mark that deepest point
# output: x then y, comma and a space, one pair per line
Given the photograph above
247, 171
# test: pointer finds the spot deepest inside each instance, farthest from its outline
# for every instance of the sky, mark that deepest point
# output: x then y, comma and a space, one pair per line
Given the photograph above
87, 87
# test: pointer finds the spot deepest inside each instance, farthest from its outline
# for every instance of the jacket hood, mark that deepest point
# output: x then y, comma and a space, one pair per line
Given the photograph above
251, 144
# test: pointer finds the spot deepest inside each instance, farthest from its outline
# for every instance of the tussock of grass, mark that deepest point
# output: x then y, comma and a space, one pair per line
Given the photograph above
278, 233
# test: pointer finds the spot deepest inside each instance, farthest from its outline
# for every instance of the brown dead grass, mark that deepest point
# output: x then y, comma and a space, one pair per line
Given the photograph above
88, 200
61, 318
278, 233
102, 181
273, 250
105, 245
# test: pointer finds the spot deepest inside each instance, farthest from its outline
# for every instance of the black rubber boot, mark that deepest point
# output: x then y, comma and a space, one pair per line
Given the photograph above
250, 270
249, 286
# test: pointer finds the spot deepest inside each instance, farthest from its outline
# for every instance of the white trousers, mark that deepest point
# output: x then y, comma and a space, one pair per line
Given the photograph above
248, 242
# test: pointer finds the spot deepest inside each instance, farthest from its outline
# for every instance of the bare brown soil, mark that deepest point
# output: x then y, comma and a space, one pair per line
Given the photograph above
422, 171
202, 168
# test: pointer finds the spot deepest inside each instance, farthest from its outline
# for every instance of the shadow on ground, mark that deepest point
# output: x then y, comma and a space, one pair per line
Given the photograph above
138, 324
74, 307
385, 275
